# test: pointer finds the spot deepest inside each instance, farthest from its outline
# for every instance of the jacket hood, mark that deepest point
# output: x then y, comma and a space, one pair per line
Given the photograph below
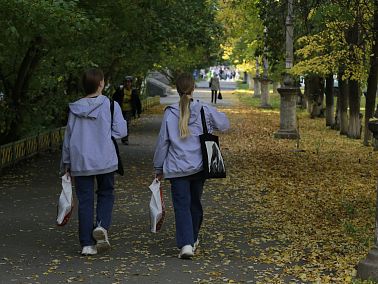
195, 110
87, 107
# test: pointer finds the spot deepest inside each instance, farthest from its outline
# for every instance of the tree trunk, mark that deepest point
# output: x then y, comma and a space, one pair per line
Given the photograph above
250, 81
336, 125
315, 96
354, 130
372, 81
343, 105
109, 72
25, 71
330, 117
256, 80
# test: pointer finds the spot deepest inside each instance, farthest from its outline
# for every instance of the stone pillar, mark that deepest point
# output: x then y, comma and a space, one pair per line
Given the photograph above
288, 92
288, 119
264, 81
249, 81
367, 269
264, 93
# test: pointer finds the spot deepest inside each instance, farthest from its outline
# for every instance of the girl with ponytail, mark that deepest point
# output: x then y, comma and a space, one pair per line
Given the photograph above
178, 158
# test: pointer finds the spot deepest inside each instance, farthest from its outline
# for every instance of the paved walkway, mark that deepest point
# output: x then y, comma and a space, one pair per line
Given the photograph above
203, 93
34, 250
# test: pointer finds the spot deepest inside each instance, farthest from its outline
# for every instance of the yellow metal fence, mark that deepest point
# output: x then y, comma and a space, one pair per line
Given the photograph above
14, 152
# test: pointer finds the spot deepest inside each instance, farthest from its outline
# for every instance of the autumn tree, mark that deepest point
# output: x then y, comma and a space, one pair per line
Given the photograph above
340, 47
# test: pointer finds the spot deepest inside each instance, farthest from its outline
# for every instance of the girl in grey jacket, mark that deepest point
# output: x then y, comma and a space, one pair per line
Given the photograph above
88, 154
178, 157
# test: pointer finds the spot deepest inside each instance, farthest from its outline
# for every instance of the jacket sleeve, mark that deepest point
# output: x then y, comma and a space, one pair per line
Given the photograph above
119, 126
162, 146
117, 96
66, 158
216, 120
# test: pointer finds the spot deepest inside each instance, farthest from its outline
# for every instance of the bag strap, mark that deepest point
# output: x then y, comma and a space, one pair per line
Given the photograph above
204, 126
111, 111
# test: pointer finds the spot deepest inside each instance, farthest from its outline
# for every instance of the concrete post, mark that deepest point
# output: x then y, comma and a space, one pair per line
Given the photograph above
367, 269
288, 93
265, 93
264, 81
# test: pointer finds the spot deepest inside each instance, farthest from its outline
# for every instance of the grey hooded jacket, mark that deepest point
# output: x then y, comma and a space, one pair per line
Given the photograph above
176, 156
87, 147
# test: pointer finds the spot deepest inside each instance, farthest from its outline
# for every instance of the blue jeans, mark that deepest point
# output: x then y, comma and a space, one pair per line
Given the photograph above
105, 200
186, 197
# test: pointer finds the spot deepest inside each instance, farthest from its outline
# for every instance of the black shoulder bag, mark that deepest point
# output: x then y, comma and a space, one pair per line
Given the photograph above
120, 165
212, 160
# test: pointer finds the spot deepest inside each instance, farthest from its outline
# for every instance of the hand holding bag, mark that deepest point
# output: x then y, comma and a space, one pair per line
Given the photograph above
157, 206
213, 164
65, 204
120, 164
220, 96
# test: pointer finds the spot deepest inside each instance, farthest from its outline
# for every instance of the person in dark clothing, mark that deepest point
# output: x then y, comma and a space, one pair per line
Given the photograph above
128, 99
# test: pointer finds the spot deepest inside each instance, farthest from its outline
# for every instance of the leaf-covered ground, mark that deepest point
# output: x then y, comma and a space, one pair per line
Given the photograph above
279, 217
316, 208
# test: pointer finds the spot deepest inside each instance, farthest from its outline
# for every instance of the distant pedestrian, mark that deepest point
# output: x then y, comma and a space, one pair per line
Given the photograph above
128, 98
89, 154
215, 88
178, 158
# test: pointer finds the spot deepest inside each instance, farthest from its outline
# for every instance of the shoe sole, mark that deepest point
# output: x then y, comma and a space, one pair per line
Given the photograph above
102, 244
88, 254
186, 256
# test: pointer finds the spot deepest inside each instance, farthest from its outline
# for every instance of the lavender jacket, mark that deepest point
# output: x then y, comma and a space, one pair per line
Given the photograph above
178, 157
87, 147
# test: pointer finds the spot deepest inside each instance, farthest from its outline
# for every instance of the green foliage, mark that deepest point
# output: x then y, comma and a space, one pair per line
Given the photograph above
46, 45
243, 29
339, 38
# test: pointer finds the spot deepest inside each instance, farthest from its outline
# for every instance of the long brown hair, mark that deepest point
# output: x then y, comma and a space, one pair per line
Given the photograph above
185, 87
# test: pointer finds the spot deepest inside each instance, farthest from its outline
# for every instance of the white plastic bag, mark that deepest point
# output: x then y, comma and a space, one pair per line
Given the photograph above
65, 204
157, 206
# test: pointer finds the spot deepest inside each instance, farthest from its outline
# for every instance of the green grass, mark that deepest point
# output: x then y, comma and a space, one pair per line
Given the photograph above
246, 96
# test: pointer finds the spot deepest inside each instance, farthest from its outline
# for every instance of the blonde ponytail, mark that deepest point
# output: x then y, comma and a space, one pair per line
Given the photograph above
185, 87
184, 116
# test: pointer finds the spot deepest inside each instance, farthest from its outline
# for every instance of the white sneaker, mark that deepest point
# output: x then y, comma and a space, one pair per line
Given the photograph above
101, 237
89, 250
186, 252
195, 246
